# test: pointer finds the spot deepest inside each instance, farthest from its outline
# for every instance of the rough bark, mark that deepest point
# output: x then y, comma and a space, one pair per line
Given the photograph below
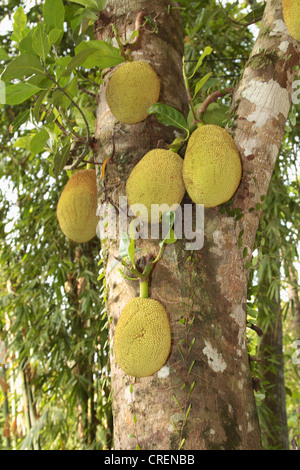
209, 286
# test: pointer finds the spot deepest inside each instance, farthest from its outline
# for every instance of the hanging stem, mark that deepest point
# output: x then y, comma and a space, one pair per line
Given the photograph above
188, 91
144, 289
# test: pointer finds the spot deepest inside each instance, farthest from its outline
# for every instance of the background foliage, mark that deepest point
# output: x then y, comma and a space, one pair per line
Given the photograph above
55, 390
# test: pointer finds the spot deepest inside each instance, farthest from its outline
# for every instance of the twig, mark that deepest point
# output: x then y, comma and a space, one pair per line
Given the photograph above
90, 93
72, 101
211, 99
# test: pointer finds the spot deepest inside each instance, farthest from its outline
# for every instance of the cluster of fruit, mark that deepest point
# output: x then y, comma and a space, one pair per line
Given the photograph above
210, 173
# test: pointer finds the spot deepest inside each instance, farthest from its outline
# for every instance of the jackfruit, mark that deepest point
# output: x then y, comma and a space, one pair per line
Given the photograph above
291, 16
131, 90
212, 167
77, 207
142, 338
156, 179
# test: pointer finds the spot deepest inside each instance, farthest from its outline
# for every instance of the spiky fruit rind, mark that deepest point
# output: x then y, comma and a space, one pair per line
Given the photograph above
142, 338
131, 90
212, 167
291, 16
156, 179
77, 207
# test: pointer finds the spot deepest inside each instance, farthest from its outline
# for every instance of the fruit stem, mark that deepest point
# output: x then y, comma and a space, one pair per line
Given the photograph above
144, 292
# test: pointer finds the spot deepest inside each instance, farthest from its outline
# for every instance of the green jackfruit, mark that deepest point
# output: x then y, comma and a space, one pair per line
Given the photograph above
156, 179
77, 207
131, 90
291, 16
212, 167
142, 338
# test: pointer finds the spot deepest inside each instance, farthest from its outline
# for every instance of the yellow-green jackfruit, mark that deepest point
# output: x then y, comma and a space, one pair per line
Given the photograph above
212, 167
291, 16
131, 90
156, 179
77, 207
142, 339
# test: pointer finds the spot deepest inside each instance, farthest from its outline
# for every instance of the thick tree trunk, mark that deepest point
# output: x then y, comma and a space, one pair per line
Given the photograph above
204, 393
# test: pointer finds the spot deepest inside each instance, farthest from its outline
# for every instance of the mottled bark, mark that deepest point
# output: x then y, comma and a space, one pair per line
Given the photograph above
208, 374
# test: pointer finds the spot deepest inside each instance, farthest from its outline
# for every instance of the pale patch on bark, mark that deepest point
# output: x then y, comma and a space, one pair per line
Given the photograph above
164, 372
270, 100
249, 145
215, 359
238, 315
129, 396
284, 46
241, 384
249, 427
279, 28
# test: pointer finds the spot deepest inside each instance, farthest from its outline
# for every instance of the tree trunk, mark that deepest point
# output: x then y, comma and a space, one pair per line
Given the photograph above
275, 429
295, 301
203, 397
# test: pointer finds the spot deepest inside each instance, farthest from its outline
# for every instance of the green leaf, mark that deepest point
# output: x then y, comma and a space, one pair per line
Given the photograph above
38, 142
55, 36
61, 158
191, 367
171, 238
176, 400
38, 104
23, 142
205, 53
77, 60
167, 220
19, 25
254, 15
17, 94
131, 250
25, 46
22, 66
102, 55
89, 115
168, 116
54, 14
40, 41
182, 443
20, 119
71, 89
200, 84
97, 5
191, 345
3, 54
187, 412
124, 244
191, 388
